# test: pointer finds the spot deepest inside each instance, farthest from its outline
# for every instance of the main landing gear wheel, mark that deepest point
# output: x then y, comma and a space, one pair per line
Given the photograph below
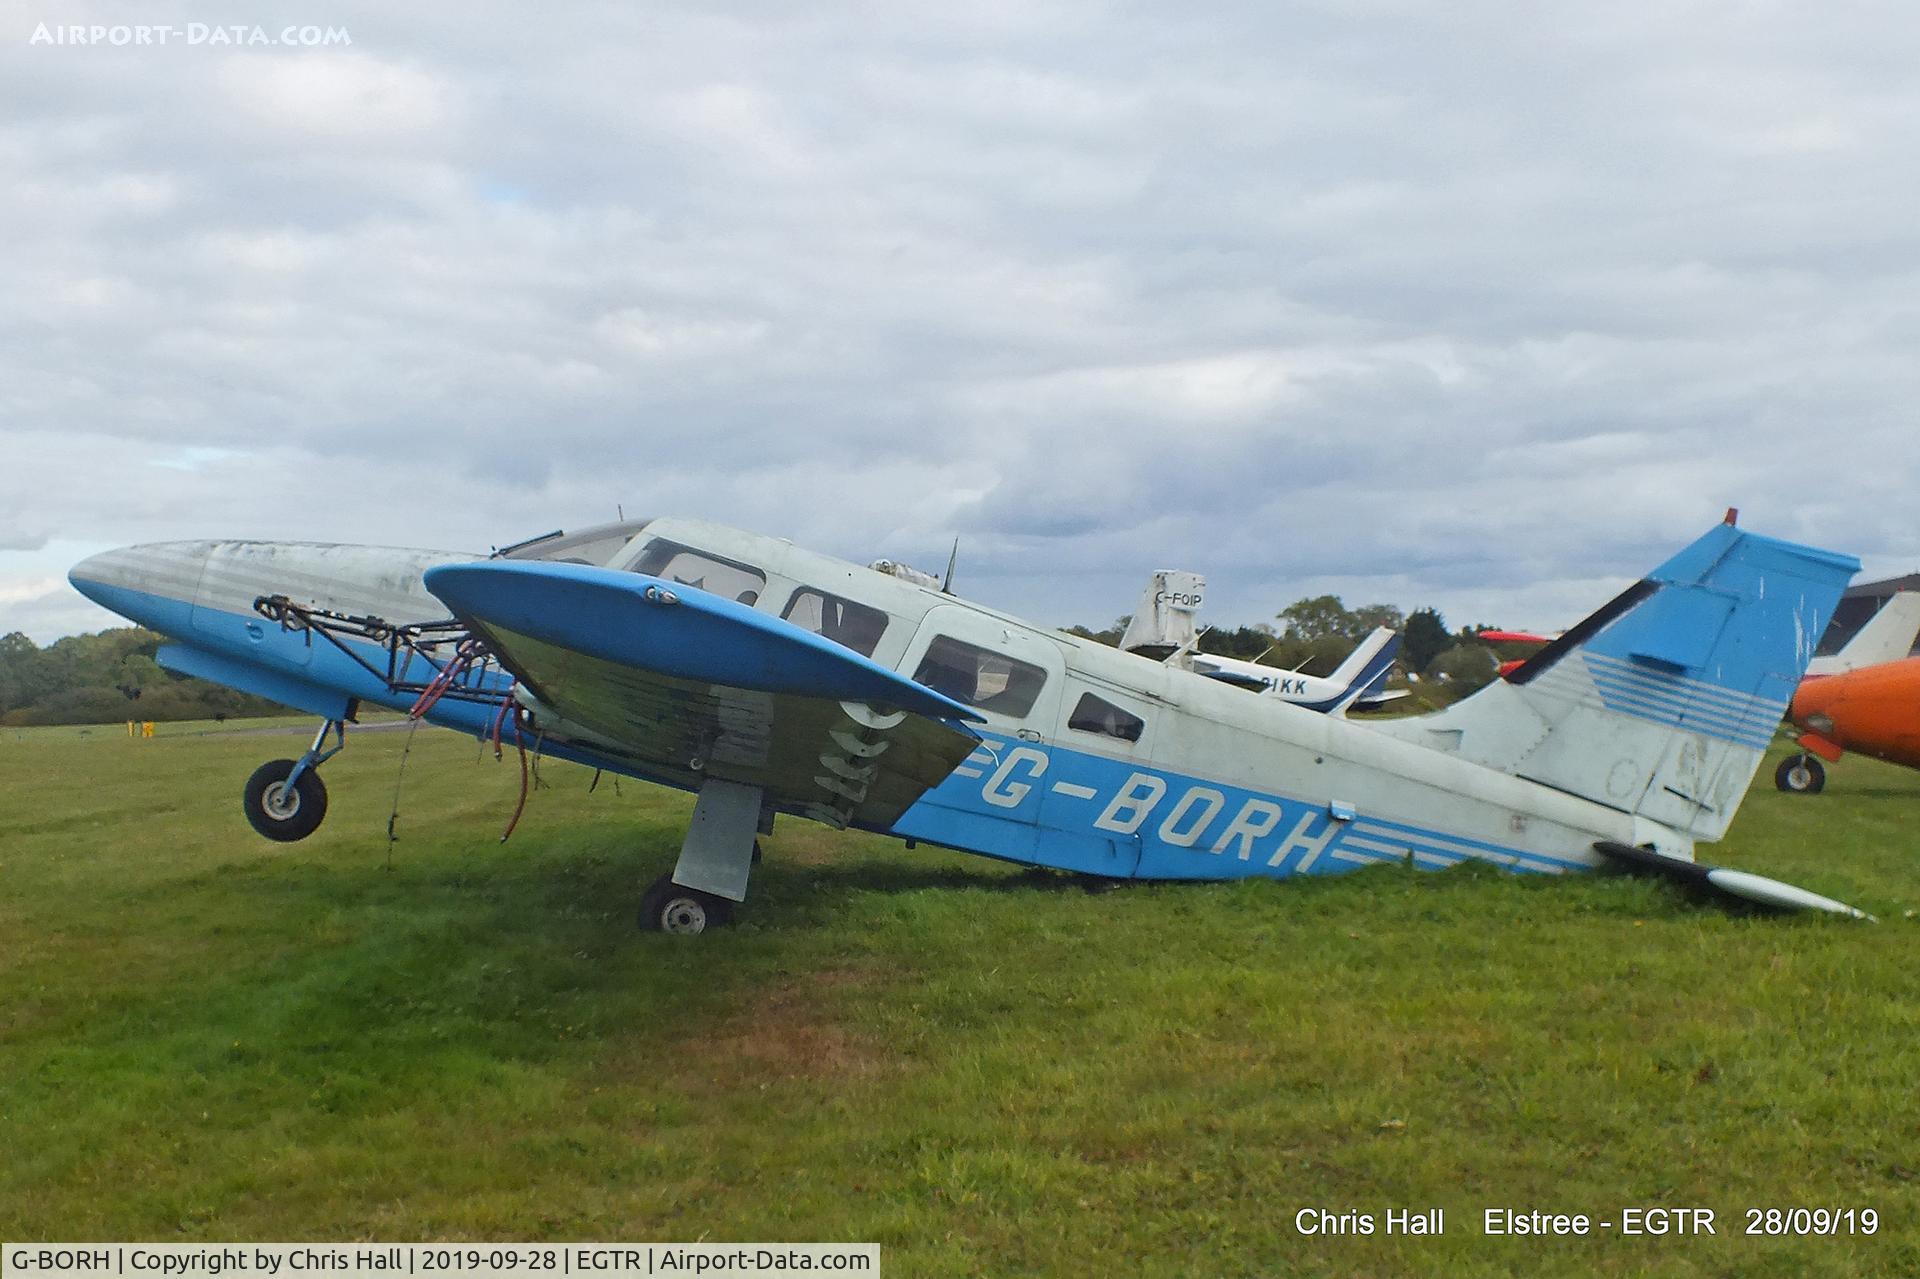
282, 812
1800, 774
668, 908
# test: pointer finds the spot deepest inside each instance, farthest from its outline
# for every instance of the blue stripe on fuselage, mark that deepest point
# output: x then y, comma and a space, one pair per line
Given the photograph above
1055, 806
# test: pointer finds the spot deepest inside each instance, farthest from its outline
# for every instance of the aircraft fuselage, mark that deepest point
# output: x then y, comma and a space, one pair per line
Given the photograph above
1089, 759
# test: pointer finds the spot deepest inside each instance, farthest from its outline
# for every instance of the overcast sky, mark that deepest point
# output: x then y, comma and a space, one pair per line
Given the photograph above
1481, 306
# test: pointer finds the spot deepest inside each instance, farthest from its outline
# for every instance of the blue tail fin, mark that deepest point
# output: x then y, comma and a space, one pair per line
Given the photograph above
1661, 703
1365, 670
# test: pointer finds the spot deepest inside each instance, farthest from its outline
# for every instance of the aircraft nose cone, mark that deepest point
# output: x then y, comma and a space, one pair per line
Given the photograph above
1811, 698
109, 568
153, 584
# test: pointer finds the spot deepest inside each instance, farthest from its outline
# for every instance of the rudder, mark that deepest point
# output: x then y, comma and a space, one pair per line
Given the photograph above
1662, 703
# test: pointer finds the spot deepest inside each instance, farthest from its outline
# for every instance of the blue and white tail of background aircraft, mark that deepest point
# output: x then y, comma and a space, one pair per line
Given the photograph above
1359, 681
773, 681
1165, 627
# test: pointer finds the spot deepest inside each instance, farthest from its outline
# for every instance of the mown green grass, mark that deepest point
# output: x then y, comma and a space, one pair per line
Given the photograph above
207, 1036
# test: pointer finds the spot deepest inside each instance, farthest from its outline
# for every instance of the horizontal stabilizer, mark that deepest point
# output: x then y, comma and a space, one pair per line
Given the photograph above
1737, 884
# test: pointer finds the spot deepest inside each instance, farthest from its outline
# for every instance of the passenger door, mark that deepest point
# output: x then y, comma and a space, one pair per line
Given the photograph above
1104, 740
1012, 676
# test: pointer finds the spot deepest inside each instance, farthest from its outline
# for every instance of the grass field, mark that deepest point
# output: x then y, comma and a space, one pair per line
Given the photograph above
207, 1036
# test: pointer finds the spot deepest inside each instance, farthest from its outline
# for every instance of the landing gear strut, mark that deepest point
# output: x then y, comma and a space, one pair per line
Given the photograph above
285, 799
667, 907
1800, 774
716, 860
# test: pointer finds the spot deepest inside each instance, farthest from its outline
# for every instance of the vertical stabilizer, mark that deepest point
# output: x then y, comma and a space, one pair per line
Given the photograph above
1365, 670
1661, 703
1163, 623
1888, 636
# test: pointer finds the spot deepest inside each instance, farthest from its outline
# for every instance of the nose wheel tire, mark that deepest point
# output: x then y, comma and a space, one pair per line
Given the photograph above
281, 812
1800, 775
666, 907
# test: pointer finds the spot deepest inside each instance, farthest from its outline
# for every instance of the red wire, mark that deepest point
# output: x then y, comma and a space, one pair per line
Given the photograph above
438, 686
520, 807
501, 718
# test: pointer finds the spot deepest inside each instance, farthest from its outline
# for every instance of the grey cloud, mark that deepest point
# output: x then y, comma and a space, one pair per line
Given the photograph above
1475, 305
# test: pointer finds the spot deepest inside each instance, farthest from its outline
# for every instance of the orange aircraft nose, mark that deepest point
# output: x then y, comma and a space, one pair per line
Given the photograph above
1874, 710
1812, 711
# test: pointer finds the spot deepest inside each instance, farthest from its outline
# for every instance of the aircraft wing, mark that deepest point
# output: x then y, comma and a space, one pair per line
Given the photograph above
696, 686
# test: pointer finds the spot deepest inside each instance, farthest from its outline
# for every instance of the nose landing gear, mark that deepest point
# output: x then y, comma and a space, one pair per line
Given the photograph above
285, 799
1800, 775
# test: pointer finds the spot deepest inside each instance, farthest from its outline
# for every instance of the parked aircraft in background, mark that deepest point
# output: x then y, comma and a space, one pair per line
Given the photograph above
1888, 636
1862, 702
1165, 627
775, 682
1359, 681
1512, 637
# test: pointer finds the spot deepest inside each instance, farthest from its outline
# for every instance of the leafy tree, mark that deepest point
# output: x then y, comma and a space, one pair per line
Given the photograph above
1248, 643
106, 677
1465, 666
1368, 616
1110, 637
1426, 638
1317, 618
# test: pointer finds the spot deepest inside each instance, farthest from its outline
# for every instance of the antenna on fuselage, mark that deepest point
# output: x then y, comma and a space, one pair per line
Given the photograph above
946, 583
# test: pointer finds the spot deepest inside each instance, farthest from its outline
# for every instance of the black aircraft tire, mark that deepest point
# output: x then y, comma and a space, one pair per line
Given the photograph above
666, 907
1800, 775
281, 815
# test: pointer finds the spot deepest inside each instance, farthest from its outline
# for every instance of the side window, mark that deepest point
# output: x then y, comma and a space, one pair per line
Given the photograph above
842, 621
1098, 715
980, 677
672, 562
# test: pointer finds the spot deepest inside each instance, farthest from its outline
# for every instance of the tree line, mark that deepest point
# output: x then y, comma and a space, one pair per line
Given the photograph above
108, 677
1316, 634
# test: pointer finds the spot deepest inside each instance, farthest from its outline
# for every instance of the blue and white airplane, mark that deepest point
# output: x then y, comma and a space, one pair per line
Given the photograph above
771, 681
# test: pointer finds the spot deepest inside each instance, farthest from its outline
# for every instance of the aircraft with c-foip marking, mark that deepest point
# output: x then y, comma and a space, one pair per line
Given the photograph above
775, 682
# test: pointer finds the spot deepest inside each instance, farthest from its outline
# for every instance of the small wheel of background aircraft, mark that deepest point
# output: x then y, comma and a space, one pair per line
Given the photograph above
769, 681
1800, 774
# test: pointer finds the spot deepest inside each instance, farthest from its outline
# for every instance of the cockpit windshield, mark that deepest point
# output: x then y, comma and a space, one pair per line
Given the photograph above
857, 626
729, 579
595, 545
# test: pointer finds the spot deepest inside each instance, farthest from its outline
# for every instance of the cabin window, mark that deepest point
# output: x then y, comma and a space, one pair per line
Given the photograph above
840, 620
1098, 715
672, 562
980, 677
